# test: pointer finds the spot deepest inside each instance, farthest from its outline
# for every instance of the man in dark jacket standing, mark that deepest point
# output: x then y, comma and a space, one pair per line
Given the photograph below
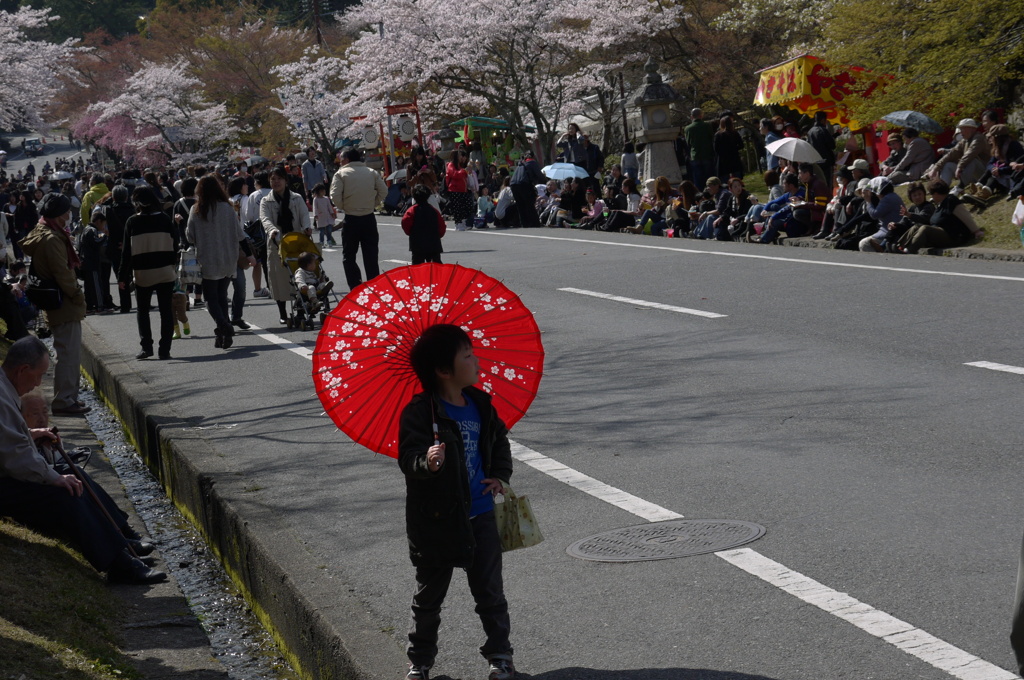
524, 182
820, 137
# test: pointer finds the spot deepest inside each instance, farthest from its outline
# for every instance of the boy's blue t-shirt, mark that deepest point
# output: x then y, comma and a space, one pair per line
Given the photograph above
468, 419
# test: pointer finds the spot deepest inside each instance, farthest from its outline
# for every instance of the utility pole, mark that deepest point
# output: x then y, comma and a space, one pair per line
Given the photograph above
316, 24
625, 125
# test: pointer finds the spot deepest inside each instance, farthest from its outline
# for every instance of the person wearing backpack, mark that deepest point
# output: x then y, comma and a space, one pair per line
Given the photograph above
425, 227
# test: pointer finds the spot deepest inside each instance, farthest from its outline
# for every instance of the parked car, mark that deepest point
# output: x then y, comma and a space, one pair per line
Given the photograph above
33, 147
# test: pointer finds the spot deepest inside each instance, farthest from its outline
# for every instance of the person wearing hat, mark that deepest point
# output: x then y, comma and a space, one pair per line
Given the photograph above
918, 155
54, 258
896, 153
966, 161
883, 207
861, 169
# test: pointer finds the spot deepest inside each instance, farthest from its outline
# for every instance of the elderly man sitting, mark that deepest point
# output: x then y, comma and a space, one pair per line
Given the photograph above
967, 159
918, 155
34, 494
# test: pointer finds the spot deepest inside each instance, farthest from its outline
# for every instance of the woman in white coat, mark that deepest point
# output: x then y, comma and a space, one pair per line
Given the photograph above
281, 211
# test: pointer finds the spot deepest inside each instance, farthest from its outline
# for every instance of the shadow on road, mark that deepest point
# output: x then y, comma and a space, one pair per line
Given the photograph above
576, 673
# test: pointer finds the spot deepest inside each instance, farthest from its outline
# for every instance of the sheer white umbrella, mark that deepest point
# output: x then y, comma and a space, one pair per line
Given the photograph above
563, 171
793, 149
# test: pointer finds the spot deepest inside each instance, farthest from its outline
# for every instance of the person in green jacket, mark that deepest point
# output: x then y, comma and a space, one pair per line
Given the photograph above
54, 258
97, 190
700, 137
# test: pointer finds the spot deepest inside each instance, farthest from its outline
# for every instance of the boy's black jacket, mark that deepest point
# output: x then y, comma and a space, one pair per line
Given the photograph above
437, 504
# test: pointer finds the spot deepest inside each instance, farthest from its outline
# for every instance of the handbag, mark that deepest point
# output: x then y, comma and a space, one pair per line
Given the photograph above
43, 293
517, 525
189, 271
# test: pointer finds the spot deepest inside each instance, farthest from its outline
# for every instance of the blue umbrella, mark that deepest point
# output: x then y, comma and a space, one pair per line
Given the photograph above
913, 119
564, 171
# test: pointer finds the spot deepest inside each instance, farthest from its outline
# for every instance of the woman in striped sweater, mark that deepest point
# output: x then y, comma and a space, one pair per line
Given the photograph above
149, 256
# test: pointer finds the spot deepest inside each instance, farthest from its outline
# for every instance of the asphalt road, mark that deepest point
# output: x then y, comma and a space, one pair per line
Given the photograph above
831, 404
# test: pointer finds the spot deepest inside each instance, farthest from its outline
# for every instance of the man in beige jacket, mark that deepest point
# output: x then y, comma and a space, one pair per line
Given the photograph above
356, 190
967, 160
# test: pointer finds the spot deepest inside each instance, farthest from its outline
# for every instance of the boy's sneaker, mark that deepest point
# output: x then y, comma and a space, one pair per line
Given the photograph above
501, 668
418, 672
184, 328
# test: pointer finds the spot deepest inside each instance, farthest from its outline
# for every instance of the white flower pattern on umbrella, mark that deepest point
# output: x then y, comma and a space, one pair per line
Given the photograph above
387, 315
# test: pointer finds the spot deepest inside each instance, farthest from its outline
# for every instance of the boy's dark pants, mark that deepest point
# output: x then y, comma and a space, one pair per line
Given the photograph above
488, 591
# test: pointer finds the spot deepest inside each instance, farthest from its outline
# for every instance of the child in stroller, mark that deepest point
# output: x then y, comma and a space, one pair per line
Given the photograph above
311, 286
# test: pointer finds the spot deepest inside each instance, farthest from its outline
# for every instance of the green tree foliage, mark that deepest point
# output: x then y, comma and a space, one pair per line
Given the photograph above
77, 18
948, 58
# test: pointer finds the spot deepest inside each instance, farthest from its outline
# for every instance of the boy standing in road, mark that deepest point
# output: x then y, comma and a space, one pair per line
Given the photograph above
455, 454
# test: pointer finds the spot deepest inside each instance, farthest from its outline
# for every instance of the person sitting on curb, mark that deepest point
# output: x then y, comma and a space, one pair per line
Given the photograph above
966, 160
919, 155
883, 206
34, 494
919, 212
951, 224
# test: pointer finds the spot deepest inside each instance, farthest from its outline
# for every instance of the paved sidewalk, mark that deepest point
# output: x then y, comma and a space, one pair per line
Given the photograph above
160, 632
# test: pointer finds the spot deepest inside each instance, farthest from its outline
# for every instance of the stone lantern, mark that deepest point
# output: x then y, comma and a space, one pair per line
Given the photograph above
447, 137
655, 100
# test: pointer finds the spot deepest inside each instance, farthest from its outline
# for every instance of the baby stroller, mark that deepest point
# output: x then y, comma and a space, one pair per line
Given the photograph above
303, 310
394, 202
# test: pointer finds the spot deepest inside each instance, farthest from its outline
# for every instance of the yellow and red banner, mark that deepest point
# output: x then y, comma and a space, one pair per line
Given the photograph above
808, 84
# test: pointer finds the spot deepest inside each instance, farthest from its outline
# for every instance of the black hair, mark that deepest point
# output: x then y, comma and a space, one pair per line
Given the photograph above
421, 193
352, 155
262, 178
235, 186
188, 186
435, 351
320, 186
790, 179
806, 167
144, 198
305, 259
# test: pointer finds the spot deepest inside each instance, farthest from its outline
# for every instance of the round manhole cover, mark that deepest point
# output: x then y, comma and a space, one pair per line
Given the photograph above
665, 540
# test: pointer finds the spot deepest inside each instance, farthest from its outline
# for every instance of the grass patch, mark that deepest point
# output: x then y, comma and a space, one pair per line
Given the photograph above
1000, 231
59, 618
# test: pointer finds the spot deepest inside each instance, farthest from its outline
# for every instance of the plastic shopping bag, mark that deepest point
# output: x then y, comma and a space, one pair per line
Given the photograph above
517, 525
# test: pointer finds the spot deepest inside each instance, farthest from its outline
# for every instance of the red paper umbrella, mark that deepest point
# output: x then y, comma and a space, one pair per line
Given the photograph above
361, 364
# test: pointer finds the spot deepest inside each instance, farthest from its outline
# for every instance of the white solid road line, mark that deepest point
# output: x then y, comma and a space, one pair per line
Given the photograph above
1005, 368
399, 261
900, 634
304, 352
723, 253
644, 303
587, 484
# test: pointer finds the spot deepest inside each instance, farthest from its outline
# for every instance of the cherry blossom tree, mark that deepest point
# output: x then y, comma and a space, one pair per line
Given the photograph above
29, 67
313, 99
530, 62
169, 113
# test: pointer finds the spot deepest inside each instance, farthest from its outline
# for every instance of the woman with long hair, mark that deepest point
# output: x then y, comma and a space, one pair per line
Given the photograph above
461, 204
281, 211
214, 228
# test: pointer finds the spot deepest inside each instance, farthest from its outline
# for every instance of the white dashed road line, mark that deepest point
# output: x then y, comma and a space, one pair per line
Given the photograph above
900, 634
690, 251
996, 367
644, 303
398, 261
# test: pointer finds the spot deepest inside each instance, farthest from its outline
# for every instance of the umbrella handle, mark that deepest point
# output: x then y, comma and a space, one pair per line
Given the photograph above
437, 439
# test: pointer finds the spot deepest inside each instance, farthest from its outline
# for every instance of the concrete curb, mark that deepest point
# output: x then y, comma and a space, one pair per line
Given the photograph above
991, 254
270, 567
